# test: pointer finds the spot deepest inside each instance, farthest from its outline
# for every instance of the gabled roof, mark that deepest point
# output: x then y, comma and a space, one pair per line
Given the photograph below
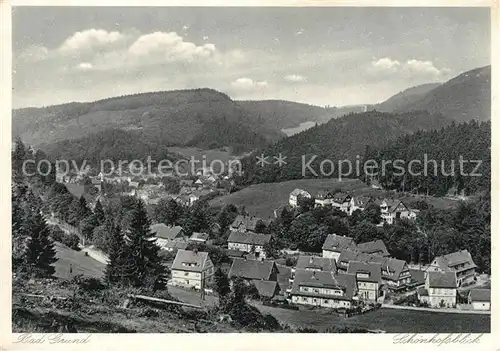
442, 279
340, 197
75, 189
314, 279
417, 276
337, 242
177, 244
190, 260
251, 269
248, 238
315, 262
246, 221
373, 247
395, 204
480, 295
186, 182
373, 270
361, 201
454, 258
266, 288
235, 253
165, 232
297, 192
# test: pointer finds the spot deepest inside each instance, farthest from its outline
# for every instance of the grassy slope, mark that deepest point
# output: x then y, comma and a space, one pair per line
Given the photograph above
262, 199
392, 321
81, 264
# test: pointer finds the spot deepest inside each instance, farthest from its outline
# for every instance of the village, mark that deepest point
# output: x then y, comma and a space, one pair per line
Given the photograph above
346, 276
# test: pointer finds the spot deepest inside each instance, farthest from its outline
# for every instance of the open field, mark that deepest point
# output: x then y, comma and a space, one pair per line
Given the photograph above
81, 264
389, 320
197, 153
262, 199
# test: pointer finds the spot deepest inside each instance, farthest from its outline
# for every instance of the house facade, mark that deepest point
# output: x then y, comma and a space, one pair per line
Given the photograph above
440, 290
359, 203
295, 195
323, 198
192, 269
480, 299
368, 279
166, 235
323, 288
245, 223
459, 262
334, 244
392, 210
248, 242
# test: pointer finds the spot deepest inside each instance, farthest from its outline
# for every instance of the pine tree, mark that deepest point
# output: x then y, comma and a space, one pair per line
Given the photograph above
221, 283
143, 251
117, 268
99, 212
18, 158
40, 253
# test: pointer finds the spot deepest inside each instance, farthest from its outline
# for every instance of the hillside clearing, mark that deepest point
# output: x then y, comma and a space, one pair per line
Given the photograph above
262, 199
80, 263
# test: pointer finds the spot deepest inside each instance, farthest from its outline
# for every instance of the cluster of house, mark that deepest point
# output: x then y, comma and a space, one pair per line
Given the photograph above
390, 209
345, 273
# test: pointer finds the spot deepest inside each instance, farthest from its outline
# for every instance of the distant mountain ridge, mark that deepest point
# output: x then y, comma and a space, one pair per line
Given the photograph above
405, 97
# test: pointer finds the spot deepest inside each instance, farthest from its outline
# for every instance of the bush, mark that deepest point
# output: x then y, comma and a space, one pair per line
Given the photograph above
56, 233
71, 241
88, 284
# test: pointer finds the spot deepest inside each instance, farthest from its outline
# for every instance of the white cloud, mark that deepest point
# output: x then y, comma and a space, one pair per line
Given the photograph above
248, 83
89, 39
386, 64
170, 46
412, 68
85, 66
34, 53
295, 78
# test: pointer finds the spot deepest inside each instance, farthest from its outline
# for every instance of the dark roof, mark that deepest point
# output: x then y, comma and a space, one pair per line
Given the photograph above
442, 279
373, 247
248, 222
417, 276
165, 232
362, 201
372, 269
391, 267
251, 269
315, 262
324, 194
483, 295
266, 288
344, 282
337, 242
177, 244
248, 238
284, 274
190, 260
235, 253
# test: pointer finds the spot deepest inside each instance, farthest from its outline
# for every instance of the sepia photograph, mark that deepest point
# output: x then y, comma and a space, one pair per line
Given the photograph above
251, 170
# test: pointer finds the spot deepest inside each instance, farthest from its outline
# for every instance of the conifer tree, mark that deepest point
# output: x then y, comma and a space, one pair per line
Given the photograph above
99, 212
40, 253
18, 158
142, 248
117, 267
221, 283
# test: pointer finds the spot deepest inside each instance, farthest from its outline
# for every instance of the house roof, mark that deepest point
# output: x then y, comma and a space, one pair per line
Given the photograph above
315, 262
483, 295
192, 261
297, 192
423, 291
177, 244
373, 247
395, 204
340, 197
248, 238
337, 242
417, 276
324, 194
345, 282
454, 258
442, 279
361, 201
372, 269
235, 253
75, 189
199, 236
265, 288
284, 274
165, 232
391, 267
186, 182
249, 222
251, 269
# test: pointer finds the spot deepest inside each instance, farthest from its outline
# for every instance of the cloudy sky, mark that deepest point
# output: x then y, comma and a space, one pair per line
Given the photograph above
324, 56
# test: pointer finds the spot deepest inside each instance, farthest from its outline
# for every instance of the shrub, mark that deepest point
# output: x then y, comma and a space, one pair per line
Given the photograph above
71, 241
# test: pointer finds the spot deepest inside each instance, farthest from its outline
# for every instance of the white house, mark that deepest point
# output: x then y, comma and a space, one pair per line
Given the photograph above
480, 299
248, 242
334, 244
368, 278
440, 289
459, 262
192, 269
165, 235
295, 195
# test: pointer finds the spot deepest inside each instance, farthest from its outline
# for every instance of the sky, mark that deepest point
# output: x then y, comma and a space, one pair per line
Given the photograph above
332, 56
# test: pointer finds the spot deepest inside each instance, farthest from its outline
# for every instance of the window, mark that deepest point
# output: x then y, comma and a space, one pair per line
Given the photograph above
186, 274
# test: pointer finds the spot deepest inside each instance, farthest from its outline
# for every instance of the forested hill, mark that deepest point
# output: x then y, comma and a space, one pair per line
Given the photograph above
470, 140
463, 98
341, 138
